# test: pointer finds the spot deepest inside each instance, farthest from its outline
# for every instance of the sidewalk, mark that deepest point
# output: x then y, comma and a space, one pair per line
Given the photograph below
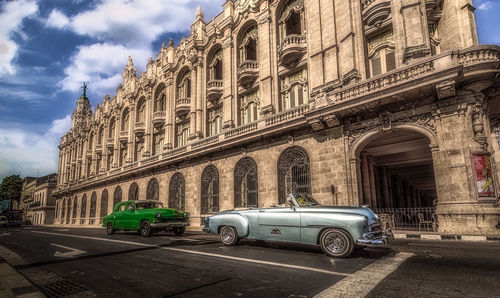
14, 284
405, 234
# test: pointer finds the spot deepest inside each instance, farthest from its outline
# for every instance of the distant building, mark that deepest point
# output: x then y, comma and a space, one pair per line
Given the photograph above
386, 103
37, 199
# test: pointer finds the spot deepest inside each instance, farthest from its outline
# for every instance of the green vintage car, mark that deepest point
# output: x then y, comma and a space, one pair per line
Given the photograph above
146, 216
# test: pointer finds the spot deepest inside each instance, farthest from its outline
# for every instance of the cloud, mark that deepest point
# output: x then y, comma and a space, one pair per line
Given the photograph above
486, 5
31, 154
132, 22
11, 17
101, 64
57, 20
122, 28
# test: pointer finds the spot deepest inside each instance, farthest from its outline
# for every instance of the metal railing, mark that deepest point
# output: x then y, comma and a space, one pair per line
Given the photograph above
408, 218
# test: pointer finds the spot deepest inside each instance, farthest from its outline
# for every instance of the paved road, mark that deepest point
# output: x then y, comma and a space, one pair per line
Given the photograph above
86, 262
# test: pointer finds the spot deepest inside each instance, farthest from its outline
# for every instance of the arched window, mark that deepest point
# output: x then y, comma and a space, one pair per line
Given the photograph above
91, 141
293, 173
93, 206
133, 192
83, 212
294, 91
141, 110
248, 44
249, 107
117, 196
153, 191
100, 136
112, 127
245, 183
210, 190
176, 191
158, 140
68, 208
139, 147
125, 119
381, 53
104, 204
184, 84
160, 99
75, 206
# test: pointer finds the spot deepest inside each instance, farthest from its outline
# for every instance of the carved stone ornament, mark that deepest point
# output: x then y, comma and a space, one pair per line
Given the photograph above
316, 124
320, 100
478, 126
331, 120
446, 89
351, 76
386, 120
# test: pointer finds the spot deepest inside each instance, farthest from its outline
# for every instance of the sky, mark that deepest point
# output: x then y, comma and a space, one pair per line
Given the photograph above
48, 48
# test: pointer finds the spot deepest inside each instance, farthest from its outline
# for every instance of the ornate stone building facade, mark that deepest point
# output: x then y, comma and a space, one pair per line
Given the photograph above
388, 103
37, 199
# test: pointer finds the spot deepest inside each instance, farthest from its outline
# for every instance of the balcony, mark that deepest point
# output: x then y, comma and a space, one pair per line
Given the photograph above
159, 117
123, 136
248, 71
214, 90
110, 143
182, 106
140, 127
292, 49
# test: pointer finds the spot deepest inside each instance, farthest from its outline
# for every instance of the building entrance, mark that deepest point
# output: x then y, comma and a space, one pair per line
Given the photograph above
397, 179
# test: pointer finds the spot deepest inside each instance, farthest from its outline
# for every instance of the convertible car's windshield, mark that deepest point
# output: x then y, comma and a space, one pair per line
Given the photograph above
148, 205
304, 199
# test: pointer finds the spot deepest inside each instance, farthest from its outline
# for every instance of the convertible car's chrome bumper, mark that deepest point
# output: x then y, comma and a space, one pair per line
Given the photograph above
169, 225
376, 237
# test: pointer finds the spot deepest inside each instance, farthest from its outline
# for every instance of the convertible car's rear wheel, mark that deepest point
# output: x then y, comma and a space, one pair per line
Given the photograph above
229, 236
179, 231
336, 243
109, 228
145, 228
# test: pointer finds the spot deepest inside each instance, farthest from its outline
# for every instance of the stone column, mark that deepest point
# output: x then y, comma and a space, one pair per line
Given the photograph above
373, 191
192, 112
116, 142
265, 47
148, 134
131, 134
385, 188
169, 114
228, 81
365, 177
199, 97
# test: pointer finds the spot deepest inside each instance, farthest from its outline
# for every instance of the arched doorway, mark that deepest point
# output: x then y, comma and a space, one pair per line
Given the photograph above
210, 190
176, 196
153, 190
133, 192
396, 177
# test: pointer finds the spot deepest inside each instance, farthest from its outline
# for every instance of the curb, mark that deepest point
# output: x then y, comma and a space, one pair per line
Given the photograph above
14, 284
469, 238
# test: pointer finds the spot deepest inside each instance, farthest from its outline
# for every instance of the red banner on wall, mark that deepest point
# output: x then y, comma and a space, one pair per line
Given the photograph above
484, 175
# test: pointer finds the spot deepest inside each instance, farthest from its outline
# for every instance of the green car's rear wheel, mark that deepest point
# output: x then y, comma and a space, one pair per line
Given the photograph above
229, 236
145, 228
109, 228
179, 231
336, 243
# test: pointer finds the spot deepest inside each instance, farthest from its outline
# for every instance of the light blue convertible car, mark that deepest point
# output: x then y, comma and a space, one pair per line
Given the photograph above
337, 229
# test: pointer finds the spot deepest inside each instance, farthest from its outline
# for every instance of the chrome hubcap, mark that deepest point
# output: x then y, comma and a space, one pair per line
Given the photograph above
227, 235
335, 242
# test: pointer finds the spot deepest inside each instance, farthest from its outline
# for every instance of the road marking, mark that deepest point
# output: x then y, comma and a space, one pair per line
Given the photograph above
205, 254
361, 282
61, 230
69, 254
5, 234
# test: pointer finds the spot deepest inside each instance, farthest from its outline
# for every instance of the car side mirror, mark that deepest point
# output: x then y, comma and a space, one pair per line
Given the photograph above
131, 208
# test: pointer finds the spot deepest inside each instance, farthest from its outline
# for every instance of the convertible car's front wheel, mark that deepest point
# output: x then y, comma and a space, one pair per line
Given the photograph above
229, 236
109, 229
336, 243
145, 228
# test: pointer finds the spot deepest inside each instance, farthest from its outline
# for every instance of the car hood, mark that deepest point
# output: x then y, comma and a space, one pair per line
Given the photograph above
163, 211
